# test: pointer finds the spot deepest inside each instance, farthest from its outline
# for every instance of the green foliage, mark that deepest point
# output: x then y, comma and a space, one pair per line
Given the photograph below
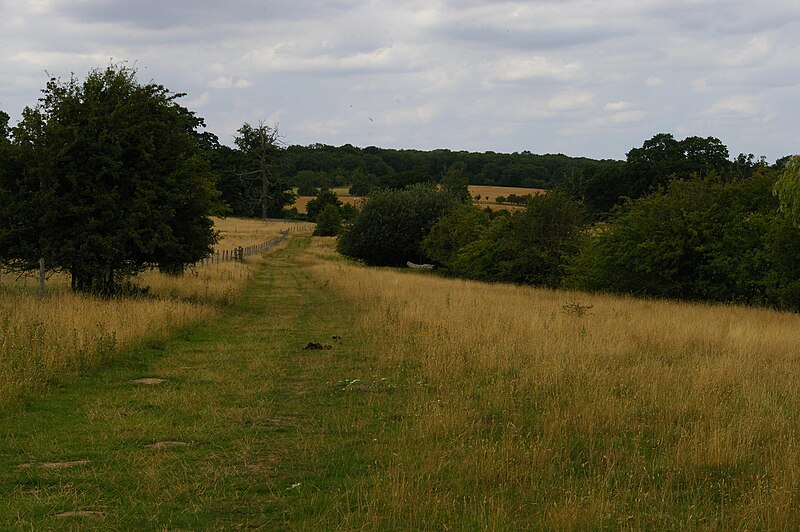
362, 184
329, 221
787, 188
662, 157
697, 239
389, 229
112, 179
532, 246
318, 204
308, 182
455, 182
389, 168
453, 231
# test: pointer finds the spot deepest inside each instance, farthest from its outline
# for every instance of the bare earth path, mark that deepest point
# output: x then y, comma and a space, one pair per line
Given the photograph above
230, 425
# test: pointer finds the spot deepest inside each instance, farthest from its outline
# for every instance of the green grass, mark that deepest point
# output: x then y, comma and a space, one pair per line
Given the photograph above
280, 437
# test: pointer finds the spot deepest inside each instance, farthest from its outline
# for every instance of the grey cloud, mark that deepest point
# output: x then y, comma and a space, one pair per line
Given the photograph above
534, 38
158, 14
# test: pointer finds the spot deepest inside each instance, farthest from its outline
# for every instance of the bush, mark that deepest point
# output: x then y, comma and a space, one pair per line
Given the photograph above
533, 246
461, 226
389, 229
329, 221
700, 239
323, 199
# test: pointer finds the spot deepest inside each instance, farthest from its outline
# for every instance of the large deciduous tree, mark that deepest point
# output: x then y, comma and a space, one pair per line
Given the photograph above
112, 180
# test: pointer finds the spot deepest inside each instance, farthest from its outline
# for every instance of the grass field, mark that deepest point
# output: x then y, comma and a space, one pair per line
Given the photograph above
440, 404
543, 409
64, 334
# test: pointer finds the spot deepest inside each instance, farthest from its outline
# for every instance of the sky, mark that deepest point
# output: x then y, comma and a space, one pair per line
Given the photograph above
583, 78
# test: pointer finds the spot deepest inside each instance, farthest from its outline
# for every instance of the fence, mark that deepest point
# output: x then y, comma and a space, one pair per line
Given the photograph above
240, 253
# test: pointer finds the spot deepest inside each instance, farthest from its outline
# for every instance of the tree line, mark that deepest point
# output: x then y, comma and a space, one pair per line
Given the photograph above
691, 226
106, 176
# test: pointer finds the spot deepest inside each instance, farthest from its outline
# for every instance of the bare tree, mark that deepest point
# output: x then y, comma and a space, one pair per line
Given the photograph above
260, 146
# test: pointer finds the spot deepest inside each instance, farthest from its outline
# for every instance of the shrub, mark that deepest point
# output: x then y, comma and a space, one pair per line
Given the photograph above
389, 229
329, 221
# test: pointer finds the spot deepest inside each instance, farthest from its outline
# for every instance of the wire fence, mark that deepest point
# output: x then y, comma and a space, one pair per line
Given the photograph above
239, 253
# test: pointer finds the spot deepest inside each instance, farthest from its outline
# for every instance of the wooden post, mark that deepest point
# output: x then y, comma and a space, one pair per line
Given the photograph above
41, 277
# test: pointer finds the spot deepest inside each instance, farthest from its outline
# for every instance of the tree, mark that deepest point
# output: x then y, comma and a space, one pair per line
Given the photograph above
702, 239
453, 231
533, 246
456, 183
389, 228
662, 158
112, 181
329, 221
263, 188
318, 204
361, 184
787, 188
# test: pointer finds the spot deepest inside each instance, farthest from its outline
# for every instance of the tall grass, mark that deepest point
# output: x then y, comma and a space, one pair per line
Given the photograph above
42, 339
542, 409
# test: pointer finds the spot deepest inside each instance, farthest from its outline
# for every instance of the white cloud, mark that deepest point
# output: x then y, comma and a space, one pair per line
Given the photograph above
618, 106
751, 107
528, 67
570, 100
199, 102
229, 82
654, 81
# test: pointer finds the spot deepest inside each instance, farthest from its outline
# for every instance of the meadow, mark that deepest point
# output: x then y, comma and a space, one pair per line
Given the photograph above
530, 408
48, 339
438, 404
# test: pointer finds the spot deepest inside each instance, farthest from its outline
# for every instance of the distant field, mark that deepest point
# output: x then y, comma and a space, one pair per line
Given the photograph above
488, 196
489, 193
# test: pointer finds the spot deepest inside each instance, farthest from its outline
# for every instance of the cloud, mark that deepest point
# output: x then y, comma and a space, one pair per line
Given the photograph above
741, 105
481, 74
618, 106
654, 81
528, 67
229, 82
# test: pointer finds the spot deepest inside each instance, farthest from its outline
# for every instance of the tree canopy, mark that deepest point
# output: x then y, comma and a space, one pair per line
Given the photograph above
111, 180
787, 188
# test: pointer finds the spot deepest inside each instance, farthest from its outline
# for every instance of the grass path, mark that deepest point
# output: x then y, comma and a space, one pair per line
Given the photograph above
247, 430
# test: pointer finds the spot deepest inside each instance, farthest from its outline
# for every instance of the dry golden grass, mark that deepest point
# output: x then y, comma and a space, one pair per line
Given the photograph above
243, 232
557, 410
43, 338
489, 193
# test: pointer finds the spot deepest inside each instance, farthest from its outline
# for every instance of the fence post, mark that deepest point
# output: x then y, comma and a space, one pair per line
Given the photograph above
41, 277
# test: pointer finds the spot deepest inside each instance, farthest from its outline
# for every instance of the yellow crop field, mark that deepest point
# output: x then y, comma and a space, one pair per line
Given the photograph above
489, 193
578, 411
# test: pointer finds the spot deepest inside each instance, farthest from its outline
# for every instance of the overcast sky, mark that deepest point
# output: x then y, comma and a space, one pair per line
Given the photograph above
584, 78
